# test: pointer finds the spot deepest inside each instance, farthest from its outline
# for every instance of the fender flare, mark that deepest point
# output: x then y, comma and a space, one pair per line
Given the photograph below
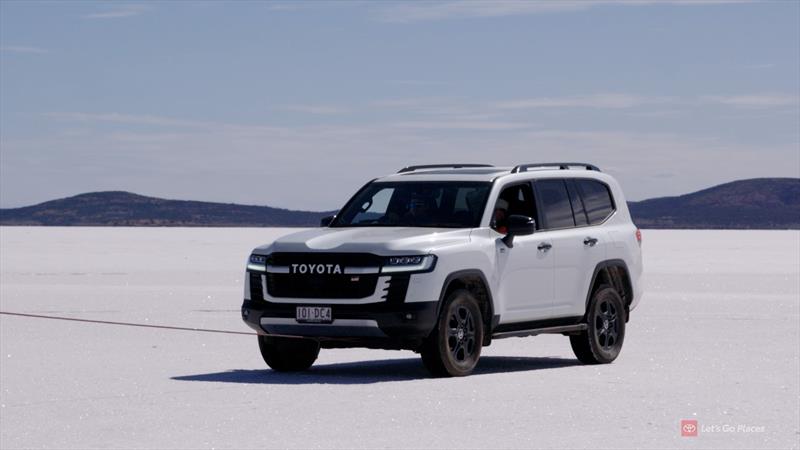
603, 267
491, 319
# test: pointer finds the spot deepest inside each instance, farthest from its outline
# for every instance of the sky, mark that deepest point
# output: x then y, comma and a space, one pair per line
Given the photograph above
297, 104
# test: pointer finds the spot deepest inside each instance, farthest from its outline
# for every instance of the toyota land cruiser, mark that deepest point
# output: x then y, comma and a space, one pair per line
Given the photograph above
442, 259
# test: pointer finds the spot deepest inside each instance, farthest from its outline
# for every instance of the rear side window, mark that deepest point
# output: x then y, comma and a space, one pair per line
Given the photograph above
577, 204
596, 200
555, 204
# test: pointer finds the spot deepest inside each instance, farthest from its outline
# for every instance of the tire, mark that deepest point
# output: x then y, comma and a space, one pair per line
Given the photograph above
602, 341
288, 354
454, 346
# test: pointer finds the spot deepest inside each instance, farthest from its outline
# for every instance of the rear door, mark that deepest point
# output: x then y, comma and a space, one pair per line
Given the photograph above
578, 246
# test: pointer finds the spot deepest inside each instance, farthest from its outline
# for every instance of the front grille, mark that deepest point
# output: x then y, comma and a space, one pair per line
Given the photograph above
320, 286
335, 286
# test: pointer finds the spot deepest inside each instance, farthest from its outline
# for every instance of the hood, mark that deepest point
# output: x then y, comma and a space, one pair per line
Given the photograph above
378, 240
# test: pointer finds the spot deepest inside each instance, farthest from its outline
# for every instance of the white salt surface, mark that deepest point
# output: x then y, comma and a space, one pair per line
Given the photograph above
715, 339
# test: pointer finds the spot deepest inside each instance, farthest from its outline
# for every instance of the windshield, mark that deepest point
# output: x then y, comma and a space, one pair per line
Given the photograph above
449, 204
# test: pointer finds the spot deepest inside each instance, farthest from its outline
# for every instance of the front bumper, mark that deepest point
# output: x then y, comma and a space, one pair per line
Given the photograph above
374, 325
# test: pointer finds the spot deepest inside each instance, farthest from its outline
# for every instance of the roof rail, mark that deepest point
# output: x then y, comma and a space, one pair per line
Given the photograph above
440, 166
560, 165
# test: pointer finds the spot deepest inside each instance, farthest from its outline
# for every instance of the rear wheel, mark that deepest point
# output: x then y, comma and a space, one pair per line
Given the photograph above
605, 320
454, 346
288, 354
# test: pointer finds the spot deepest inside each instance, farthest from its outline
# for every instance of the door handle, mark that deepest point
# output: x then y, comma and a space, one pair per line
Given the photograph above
545, 246
590, 241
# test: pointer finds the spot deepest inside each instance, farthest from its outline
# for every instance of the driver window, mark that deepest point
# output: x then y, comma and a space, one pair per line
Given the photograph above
374, 208
513, 200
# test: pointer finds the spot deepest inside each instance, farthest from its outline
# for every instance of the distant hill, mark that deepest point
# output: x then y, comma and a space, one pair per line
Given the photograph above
117, 208
762, 203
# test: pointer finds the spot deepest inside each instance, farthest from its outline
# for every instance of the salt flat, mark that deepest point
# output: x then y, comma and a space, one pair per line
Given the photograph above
716, 339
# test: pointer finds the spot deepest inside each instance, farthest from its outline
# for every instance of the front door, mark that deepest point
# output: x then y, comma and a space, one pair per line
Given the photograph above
525, 271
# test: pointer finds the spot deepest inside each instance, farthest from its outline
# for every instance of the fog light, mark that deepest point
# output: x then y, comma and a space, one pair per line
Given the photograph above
409, 316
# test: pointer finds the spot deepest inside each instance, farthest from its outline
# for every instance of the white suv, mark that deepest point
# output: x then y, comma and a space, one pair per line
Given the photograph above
442, 259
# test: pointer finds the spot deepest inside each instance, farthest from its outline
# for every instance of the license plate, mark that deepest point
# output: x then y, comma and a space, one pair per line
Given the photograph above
314, 314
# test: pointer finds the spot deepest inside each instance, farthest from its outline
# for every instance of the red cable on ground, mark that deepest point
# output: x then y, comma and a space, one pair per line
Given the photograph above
127, 324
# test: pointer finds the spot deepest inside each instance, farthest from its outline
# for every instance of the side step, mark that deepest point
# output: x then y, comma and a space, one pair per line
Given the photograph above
565, 329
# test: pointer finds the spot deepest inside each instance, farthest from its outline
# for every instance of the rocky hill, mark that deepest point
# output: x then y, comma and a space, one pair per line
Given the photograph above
763, 203
116, 208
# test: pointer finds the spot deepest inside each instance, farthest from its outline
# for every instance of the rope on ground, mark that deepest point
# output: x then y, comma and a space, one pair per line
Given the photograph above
127, 324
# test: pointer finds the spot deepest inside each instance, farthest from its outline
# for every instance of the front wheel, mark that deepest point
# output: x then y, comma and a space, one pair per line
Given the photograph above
605, 320
454, 346
284, 354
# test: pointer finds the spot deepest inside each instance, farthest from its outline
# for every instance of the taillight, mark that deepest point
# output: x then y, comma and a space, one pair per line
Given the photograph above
639, 236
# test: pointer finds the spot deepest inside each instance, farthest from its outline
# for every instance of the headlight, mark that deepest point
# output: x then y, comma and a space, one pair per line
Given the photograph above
257, 263
417, 263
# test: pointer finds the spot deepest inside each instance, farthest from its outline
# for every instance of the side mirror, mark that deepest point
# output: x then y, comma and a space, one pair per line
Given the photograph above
326, 221
518, 226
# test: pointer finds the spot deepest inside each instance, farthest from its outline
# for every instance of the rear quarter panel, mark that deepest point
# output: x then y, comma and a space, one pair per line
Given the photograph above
623, 243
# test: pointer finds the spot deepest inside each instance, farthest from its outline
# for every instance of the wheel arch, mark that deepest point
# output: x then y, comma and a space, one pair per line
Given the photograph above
613, 272
474, 281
